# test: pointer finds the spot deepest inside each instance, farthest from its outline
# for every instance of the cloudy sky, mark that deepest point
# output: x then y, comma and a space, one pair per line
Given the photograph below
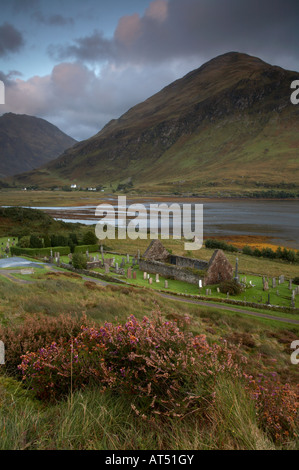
80, 64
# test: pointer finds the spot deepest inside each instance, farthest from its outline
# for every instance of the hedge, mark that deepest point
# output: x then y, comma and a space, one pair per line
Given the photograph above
84, 248
63, 250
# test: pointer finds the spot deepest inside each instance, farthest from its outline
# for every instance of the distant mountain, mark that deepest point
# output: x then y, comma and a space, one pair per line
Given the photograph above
227, 127
27, 142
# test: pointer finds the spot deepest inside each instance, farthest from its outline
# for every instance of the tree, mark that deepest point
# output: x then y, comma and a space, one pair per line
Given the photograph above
36, 242
90, 238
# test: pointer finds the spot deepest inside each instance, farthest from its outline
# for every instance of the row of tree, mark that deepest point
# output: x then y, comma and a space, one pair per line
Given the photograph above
49, 241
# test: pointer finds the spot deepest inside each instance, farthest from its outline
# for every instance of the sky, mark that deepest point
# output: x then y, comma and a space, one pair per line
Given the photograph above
80, 64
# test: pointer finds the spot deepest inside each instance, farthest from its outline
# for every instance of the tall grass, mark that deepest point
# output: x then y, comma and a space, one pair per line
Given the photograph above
102, 421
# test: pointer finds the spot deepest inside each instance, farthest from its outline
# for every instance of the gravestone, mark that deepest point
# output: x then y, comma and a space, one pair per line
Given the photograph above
106, 268
218, 290
290, 284
129, 273
138, 256
200, 283
207, 291
236, 278
150, 280
133, 262
273, 282
2, 353
157, 278
144, 276
166, 284
116, 268
128, 258
265, 286
134, 275
281, 279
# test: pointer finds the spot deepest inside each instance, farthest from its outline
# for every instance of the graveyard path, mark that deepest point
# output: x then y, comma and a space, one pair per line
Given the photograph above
231, 308
97, 281
8, 275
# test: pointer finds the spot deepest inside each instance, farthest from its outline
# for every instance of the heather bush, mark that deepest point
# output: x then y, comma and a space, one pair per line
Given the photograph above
161, 369
169, 371
34, 333
276, 404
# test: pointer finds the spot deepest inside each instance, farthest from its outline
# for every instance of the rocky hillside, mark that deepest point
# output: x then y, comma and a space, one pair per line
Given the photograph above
226, 127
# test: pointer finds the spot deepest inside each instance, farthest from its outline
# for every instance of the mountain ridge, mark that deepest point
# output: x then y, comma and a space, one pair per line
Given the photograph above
225, 125
28, 142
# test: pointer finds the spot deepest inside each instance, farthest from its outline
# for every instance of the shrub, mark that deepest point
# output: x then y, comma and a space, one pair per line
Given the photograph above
79, 261
231, 287
167, 370
247, 250
296, 281
276, 404
24, 242
217, 244
35, 333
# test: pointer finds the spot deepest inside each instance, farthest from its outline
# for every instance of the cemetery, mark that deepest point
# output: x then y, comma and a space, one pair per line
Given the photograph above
164, 271
139, 271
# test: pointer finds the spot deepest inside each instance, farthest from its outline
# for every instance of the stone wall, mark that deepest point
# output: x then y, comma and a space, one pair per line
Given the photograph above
94, 264
188, 262
169, 271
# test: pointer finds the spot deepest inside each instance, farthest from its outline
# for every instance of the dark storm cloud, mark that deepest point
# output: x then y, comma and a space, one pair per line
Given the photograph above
88, 48
24, 5
175, 28
11, 40
100, 78
52, 20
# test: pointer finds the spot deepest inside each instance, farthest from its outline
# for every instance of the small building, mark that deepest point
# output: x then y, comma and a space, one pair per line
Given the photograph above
157, 260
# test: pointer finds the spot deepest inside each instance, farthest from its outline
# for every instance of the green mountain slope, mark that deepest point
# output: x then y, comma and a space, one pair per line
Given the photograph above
227, 126
27, 142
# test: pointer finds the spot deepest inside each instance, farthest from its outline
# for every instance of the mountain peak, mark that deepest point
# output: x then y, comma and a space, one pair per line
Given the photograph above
229, 122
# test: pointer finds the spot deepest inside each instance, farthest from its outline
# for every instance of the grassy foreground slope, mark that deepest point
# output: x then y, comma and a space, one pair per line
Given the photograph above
91, 418
225, 127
